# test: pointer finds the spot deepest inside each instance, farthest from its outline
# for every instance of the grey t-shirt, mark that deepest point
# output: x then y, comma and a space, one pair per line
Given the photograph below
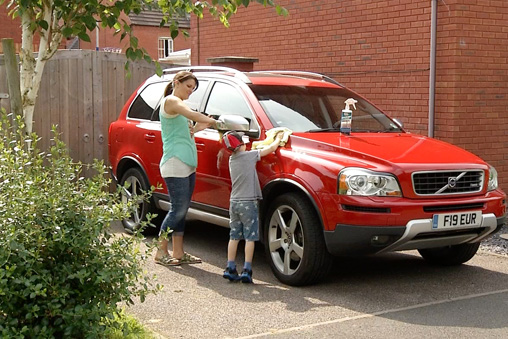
244, 178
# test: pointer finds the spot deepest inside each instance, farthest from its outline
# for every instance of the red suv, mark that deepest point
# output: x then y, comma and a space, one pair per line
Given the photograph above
325, 193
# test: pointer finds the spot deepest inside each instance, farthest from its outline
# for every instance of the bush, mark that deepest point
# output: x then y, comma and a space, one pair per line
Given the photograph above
62, 273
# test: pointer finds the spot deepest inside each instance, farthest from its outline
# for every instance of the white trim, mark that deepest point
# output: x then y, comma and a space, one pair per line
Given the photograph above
182, 57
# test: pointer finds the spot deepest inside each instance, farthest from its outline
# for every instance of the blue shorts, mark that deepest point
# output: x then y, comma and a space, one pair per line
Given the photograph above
244, 220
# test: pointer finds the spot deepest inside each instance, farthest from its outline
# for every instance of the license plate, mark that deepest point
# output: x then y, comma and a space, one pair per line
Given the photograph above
453, 220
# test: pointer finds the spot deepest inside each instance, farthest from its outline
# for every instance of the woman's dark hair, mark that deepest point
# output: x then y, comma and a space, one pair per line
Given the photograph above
181, 77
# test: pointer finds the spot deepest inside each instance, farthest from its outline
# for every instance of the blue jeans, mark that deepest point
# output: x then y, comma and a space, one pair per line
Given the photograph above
180, 193
244, 220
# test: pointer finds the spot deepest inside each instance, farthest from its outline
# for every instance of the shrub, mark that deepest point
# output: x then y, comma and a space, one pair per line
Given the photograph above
61, 270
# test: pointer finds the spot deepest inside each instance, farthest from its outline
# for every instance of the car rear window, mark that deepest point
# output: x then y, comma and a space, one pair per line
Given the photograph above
147, 101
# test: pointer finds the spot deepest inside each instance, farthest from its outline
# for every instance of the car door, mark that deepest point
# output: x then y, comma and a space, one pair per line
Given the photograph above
213, 183
143, 135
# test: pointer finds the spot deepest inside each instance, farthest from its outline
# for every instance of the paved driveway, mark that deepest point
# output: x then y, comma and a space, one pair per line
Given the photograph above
389, 296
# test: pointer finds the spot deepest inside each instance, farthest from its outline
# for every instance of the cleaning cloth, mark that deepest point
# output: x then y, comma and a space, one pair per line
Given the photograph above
270, 137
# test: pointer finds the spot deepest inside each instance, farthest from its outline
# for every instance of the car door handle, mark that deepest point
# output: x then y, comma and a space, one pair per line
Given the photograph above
150, 137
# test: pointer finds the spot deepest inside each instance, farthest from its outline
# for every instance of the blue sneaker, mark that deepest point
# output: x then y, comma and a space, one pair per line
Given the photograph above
246, 276
231, 274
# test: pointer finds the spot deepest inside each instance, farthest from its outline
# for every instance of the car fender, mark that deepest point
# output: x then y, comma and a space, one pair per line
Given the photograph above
278, 186
127, 162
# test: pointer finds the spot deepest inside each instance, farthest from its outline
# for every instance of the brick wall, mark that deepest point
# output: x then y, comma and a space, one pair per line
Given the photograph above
382, 50
472, 93
11, 29
148, 37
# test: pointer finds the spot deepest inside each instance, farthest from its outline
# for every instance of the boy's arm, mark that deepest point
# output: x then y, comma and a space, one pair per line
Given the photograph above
273, 146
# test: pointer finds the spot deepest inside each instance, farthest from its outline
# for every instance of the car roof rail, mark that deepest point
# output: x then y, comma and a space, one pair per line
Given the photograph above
238, 74
305, 74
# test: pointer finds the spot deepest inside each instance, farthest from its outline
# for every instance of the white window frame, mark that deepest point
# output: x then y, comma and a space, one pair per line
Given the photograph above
165, 47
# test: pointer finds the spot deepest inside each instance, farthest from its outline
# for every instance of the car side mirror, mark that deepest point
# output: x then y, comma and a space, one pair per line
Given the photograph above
228, 122
401, 125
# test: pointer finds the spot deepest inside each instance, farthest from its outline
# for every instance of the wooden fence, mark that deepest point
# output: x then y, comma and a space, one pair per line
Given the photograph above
82, 92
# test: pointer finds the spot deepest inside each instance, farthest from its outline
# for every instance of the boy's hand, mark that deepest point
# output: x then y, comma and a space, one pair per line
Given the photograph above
279, 136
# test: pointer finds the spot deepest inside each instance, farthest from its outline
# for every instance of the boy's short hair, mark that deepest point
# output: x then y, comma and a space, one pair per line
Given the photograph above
233, 140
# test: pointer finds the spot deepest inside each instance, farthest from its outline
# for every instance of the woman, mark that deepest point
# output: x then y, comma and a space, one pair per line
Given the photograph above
178, 163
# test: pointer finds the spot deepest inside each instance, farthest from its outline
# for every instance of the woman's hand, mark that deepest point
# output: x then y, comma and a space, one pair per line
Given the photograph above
202, 125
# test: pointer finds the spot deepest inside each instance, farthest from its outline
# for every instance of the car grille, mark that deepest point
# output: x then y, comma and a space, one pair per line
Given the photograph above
453, 208
365, 209
447, 182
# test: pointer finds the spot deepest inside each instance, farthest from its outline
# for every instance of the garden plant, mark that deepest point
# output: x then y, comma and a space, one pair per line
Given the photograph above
63, 273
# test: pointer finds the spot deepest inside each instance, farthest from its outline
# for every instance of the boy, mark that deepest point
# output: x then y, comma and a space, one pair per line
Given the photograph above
243, 209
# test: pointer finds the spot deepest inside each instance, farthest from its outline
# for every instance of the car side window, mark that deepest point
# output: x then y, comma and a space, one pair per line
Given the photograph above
193, 102
145, 103
226, 99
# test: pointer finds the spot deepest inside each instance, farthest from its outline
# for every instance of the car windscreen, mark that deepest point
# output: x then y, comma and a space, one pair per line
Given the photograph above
318, 109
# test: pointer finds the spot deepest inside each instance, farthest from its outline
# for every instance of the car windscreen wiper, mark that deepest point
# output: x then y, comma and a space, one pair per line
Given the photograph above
388, 130
317, 130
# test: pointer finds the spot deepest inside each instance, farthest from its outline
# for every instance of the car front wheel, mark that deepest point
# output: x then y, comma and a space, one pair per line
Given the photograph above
294, 241
450, 255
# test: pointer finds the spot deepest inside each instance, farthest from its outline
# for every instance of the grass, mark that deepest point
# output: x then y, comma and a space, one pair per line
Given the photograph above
128, 327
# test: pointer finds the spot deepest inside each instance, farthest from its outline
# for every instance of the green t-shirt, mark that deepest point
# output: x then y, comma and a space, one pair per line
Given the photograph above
176, 140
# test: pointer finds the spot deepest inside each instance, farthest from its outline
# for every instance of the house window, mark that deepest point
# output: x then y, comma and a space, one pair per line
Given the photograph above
165, 47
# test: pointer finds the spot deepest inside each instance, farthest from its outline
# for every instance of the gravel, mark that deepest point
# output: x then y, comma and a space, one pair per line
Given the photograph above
496, 243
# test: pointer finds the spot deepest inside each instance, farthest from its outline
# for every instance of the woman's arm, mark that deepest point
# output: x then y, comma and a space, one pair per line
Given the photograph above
173, 106
199, 126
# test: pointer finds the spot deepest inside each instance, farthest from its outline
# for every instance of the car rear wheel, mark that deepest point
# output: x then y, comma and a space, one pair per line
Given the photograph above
450, 255
294, 241
137, 185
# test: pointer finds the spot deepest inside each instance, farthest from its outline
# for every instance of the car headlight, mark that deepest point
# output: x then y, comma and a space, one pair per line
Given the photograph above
492, 179
357, 181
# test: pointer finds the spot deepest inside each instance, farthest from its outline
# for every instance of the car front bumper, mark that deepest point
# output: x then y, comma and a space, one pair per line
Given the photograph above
416, 234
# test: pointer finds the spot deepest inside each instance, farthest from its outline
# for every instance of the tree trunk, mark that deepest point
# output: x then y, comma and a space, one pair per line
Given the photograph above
32, 68
11, 66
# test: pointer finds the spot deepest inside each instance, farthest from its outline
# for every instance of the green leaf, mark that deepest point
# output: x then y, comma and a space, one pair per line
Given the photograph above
83, 36
139, 54
129, 53
134, 42
44, 24
89, 22
158, 68
67, 32
281, 11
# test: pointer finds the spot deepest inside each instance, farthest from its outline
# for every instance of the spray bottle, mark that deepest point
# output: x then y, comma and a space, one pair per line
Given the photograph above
347, 116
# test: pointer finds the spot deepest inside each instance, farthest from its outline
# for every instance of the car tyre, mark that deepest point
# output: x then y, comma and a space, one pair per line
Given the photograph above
137, 184
450, 255
294, 241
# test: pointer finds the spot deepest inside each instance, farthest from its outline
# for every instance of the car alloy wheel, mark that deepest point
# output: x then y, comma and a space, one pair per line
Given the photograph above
285, 240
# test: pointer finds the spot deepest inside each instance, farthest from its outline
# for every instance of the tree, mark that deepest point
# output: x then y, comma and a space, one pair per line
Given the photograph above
53, 20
